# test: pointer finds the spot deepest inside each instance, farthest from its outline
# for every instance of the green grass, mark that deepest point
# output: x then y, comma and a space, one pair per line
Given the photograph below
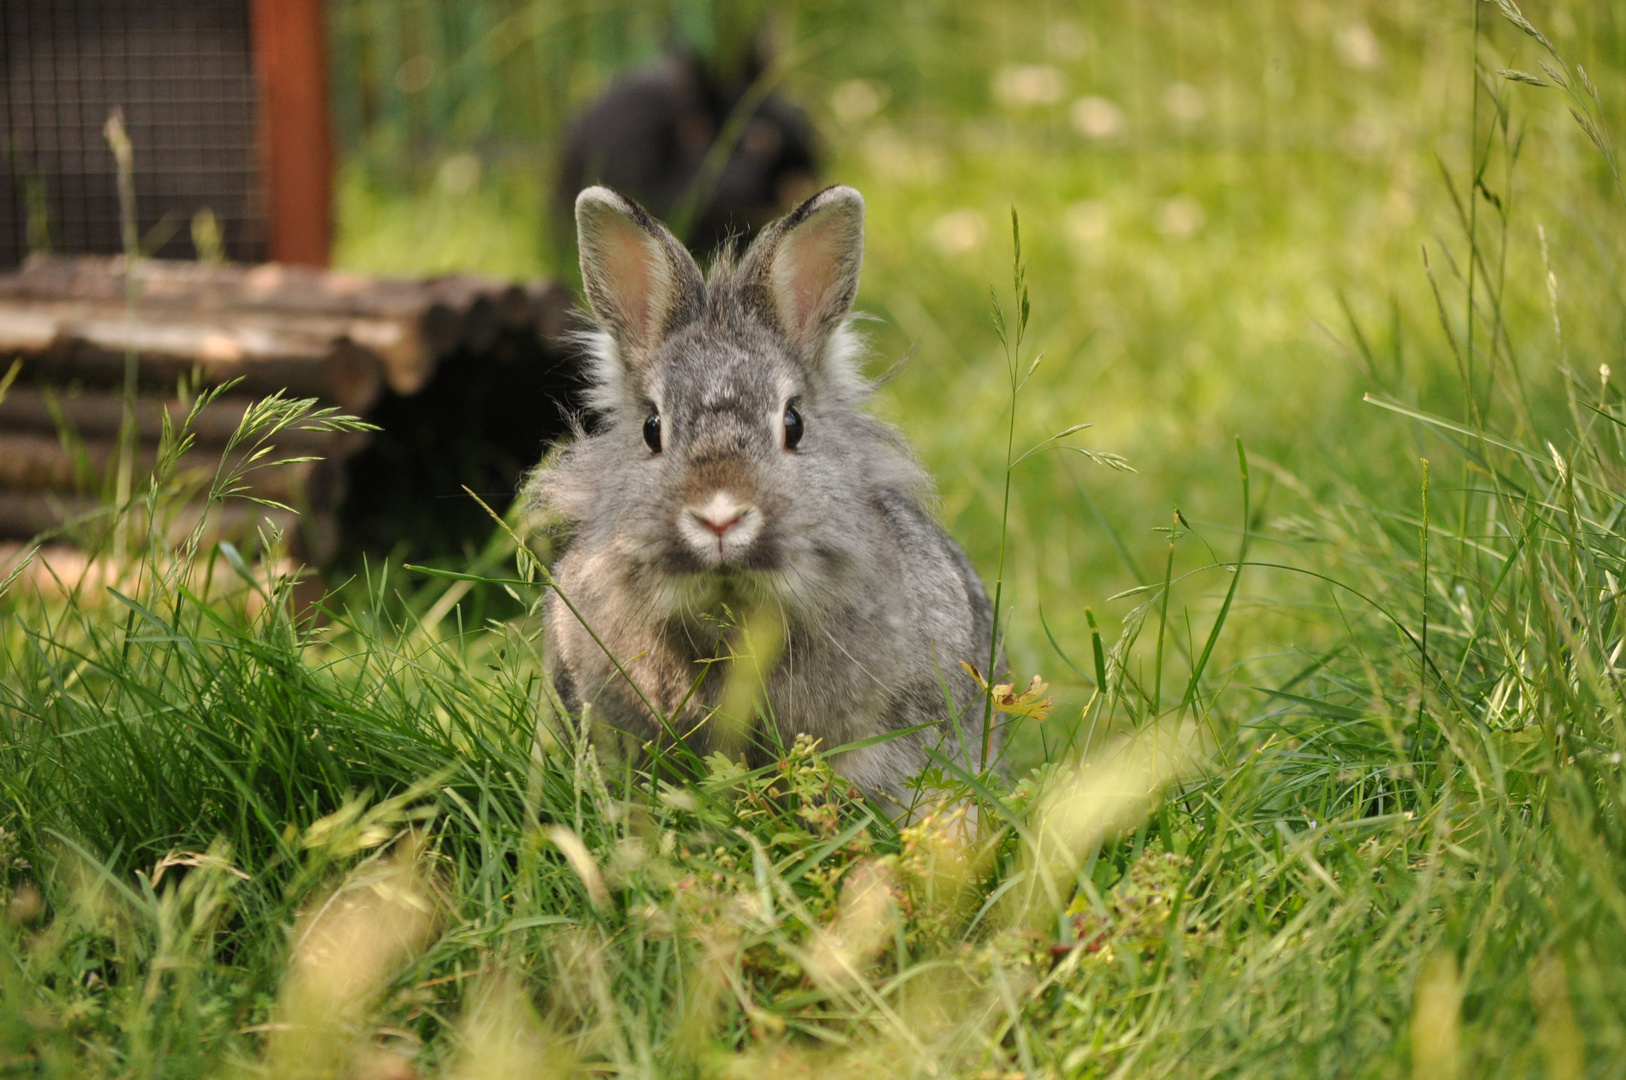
1349, 802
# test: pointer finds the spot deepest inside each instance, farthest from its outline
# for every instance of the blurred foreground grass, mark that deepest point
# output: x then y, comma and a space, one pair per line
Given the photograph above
1337, 793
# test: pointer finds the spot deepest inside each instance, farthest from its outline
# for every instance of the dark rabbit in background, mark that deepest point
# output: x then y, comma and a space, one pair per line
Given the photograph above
735, 470
650, 133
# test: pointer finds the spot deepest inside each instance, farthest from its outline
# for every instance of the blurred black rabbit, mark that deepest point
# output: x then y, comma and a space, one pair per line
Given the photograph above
651, 132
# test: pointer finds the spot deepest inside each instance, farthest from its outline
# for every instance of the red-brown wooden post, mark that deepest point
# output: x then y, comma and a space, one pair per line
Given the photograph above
290, 61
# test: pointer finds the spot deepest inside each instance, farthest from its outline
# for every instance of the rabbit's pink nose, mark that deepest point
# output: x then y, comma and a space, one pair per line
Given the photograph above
720, 513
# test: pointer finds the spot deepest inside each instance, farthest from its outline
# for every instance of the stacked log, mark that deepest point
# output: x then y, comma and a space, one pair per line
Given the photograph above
347, 340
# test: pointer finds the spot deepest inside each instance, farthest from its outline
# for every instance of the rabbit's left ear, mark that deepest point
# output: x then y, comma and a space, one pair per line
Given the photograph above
804, 267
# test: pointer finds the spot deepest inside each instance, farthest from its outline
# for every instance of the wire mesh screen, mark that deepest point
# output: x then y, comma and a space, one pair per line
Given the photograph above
181, 71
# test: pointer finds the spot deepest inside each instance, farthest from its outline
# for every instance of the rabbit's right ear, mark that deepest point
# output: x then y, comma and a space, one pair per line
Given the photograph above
641, 283
803, 268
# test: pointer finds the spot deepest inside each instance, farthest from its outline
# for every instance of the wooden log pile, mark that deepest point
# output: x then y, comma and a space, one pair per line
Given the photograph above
363, 344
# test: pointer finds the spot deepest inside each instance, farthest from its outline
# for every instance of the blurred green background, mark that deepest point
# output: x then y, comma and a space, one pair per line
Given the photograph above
1226, 209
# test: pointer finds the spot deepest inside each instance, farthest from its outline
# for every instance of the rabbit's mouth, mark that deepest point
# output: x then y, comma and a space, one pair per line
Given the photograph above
722, 530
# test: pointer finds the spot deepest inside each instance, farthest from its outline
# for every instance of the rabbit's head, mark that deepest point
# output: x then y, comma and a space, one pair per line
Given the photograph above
732, 458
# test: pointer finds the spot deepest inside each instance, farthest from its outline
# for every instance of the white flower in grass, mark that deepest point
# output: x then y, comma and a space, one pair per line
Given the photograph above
858, 99
1358, 47
960, 231
1023, 85
1184, 102
1087, 222
1068, 40
1180, 217
1097, 118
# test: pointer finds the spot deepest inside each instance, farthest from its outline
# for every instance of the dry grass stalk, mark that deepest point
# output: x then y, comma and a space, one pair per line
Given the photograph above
346, 951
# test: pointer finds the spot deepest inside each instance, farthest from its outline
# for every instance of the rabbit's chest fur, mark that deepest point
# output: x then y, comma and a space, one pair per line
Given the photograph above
882, 659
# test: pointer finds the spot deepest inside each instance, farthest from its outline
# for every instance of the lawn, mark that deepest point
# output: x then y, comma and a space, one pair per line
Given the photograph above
1329, 604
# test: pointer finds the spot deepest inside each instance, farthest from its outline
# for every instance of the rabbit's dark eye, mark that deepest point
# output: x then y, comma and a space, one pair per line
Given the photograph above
652, 432
793, 428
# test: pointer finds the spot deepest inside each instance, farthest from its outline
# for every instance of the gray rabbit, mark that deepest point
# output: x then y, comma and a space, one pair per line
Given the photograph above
734, 470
